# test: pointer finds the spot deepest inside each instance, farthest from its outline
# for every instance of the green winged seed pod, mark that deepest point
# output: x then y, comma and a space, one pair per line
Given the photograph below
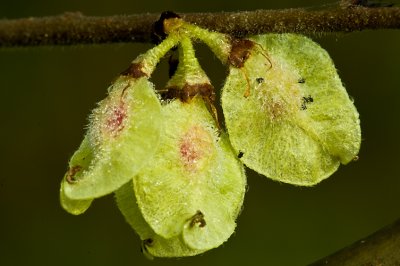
287, 111
124, 131
229, 181
152, 244
195, 184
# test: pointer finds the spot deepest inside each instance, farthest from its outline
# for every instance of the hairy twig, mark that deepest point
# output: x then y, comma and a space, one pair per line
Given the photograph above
75, 28
380, 248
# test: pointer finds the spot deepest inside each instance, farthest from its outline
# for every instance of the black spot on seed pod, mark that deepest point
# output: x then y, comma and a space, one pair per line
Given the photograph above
259, 80
70, 177
305, 101
198, 218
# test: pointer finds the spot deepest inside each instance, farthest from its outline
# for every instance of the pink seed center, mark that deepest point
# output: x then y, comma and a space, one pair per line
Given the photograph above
115, 121
195, 148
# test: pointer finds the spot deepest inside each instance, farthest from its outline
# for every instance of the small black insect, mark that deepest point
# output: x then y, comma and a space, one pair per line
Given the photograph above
240, 155
301, 80
306, 100
259, 80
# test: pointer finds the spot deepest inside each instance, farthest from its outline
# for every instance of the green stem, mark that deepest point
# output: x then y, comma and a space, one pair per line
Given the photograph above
189, 70
219, 43
150, 59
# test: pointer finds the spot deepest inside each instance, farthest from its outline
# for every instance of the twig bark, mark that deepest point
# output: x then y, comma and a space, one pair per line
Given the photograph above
379, 249
75, 28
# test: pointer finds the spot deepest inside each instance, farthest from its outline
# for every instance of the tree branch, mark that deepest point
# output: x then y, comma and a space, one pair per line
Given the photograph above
380, 248
75, 28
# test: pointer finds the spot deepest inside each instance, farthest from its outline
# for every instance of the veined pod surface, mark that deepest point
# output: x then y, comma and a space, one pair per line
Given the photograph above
152, 244
287, 111
195, 185
123, 133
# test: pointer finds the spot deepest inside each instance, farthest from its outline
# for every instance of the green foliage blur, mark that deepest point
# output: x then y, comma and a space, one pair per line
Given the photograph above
48, 92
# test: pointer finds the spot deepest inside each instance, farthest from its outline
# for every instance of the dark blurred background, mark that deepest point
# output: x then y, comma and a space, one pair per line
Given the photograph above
47, 93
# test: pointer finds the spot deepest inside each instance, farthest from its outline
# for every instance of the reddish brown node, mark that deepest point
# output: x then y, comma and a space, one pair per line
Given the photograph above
185, 94
205, 90
72, 171
135, 71
240, 52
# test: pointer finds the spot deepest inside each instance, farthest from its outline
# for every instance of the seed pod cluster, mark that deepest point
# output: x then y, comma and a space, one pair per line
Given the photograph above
177, 175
